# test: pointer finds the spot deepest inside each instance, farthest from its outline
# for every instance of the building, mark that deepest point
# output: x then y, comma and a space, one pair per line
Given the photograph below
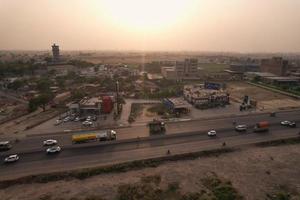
169, 73
207, 95
176, 105
275, 65
55, 53
187, 69
281, 80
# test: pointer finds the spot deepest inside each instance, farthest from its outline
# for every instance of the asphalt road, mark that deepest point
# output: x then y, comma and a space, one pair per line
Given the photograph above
34, 142
181, 137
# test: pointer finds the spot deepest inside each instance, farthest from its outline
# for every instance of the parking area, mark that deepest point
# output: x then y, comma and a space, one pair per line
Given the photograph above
67, 122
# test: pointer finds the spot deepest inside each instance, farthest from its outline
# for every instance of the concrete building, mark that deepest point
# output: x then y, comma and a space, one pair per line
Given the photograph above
187, 69
275, 65
55, 53
169, 73
87, 106
201, 97
176, 105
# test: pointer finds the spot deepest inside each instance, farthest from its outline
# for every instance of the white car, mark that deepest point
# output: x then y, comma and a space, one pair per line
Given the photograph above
50, 142
58, 122
212, 133
11, 158
87, 123
52, 150
285, 123
241, 128
76, 119
67, 119
89, 118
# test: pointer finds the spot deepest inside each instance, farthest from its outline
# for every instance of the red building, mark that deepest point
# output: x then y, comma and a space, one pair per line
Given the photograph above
107, 104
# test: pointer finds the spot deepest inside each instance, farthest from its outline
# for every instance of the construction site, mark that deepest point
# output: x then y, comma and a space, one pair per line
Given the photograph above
206, 95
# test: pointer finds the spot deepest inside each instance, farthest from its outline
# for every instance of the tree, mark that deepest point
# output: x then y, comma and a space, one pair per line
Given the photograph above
40, 101
43, 85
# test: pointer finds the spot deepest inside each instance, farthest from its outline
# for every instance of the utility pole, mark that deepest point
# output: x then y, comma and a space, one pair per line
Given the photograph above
117, 96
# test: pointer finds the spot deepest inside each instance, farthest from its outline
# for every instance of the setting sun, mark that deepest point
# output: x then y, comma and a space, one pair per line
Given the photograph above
145, 15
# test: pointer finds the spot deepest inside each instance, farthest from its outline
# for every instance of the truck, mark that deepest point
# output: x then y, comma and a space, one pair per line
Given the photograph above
5, 146
94, 136
156, 126
262, 126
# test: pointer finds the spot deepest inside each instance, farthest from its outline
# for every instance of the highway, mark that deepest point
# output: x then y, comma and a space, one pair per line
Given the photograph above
181, 137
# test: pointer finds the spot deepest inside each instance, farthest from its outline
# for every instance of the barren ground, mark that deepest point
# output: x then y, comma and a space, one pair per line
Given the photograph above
254, 172
267, 100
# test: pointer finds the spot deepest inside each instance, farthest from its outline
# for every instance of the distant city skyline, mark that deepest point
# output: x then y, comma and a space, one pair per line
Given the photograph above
245, 26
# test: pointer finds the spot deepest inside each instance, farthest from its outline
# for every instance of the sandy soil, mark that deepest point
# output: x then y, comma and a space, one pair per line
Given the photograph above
267, 100
254, 172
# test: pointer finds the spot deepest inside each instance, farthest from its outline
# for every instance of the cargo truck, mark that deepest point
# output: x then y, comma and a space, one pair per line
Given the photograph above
94, 136
156, 126
262, 127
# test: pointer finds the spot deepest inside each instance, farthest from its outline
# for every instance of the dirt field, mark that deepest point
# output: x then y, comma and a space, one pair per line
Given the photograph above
254, 173
267, 100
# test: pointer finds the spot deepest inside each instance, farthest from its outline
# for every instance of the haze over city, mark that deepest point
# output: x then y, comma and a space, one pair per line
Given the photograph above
149, 99
168, 25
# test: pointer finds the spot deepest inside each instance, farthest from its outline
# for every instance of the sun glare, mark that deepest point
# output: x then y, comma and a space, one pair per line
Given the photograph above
145, 15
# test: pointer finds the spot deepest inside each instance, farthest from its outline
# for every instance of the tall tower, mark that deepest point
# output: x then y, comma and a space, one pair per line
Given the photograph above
55, 52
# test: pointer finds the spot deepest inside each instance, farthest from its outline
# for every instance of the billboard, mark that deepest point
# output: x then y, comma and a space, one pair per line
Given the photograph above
212, 86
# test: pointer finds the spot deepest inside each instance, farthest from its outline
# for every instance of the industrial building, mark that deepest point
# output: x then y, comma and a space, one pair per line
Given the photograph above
207, 95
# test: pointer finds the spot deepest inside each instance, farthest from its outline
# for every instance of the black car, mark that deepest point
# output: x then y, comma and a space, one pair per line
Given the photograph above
292, 124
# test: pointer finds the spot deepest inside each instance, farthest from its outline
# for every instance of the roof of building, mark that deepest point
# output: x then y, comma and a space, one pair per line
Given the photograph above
179, 103
90, 101
284, 78
262, 74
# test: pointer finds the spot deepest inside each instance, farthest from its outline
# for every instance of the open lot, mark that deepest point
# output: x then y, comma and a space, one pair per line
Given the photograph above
267, 100
255, 173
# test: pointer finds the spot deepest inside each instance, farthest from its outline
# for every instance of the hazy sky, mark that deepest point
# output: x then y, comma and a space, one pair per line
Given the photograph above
196, 25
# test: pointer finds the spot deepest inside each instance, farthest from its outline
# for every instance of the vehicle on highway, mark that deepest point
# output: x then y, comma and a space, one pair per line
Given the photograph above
77, 119
5, 146
288, 123
94, 136
241, 128
52, 150
156, 126
87, 123
67, 119
11, 158
212, 133
49, 142
261, 127
58, 122
94, 118
88, 118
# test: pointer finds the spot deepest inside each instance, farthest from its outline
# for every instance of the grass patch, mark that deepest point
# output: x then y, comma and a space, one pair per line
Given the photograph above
220, 189
117, 168
280, 142
213, 67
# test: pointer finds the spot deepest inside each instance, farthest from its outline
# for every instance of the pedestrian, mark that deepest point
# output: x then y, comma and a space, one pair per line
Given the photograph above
168, 152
